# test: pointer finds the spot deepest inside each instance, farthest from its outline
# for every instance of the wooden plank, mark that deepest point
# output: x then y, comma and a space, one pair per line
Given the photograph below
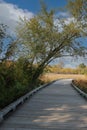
19, 101
56, 107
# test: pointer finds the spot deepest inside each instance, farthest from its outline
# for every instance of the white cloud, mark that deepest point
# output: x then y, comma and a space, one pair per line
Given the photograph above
9, 14
69, 20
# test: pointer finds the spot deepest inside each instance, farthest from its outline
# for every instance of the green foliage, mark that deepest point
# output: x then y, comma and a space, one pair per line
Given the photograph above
7, 44
75, 7
43, 40
78, 8
14, 80
82, 65
2, 35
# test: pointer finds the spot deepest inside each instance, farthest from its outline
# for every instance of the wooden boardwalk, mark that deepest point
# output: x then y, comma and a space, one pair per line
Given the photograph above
56, 107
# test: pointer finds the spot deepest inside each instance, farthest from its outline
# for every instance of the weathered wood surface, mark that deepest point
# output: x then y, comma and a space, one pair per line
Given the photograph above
56, 107
21, 100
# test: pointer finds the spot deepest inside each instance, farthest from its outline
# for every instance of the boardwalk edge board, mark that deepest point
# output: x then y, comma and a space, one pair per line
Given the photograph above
21, 100
79, 90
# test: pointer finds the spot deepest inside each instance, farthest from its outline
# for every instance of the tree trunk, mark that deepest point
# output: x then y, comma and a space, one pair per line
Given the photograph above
36, 75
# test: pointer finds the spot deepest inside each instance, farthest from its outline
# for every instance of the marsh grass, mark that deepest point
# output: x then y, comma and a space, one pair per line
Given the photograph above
79, 80
48, 77
81, 83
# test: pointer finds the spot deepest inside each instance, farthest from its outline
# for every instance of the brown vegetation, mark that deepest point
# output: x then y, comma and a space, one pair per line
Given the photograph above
82, 84
48, 77
79, 80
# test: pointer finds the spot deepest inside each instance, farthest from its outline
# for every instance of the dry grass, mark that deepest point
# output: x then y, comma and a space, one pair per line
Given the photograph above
50, 77
82, 84
79, 80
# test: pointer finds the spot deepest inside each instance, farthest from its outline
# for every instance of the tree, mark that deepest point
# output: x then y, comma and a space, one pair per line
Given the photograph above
42, 40
78, 9
2, 35
82, 66
6, 43
61, 65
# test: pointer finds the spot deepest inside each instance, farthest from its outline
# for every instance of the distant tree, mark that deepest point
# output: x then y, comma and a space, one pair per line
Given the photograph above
82, 66
61, 64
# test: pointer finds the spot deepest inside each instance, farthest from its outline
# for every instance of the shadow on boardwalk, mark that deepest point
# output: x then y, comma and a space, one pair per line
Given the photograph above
57, 107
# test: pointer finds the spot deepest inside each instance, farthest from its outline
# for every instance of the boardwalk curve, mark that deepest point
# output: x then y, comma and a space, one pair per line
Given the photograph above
56, 107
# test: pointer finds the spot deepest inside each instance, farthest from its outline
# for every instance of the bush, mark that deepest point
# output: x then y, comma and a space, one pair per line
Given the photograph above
14, 80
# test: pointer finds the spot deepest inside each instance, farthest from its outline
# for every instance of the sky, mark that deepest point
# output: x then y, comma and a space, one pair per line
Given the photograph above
11, 10
34, 5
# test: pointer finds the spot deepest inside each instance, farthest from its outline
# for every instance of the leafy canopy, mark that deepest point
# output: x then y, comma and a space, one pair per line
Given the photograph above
7, 46
43, 41
78, 9
45, 37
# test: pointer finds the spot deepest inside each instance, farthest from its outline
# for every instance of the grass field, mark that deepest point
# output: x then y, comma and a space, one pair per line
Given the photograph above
79, 80
50, 77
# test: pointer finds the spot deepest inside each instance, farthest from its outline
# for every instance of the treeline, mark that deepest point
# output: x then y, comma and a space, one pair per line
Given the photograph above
81, 69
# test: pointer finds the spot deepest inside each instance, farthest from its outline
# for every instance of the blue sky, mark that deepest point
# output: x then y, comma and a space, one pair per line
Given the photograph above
34, 5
